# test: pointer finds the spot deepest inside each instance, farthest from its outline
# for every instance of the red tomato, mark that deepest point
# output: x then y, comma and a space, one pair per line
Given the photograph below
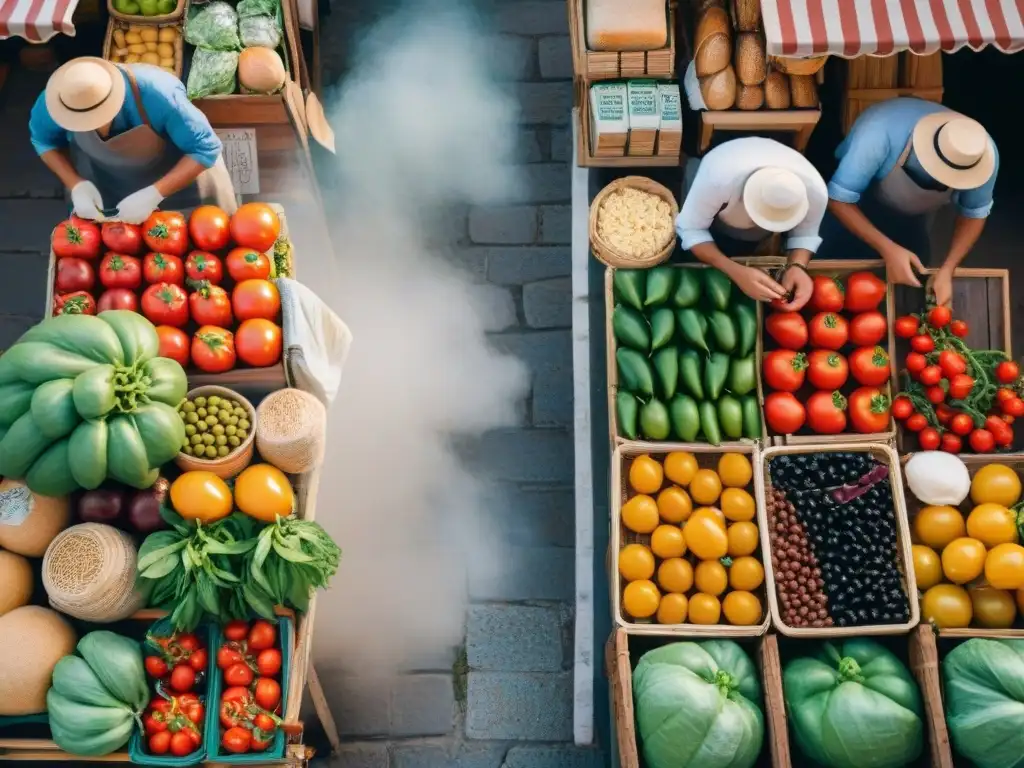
118, 298
825, 413
204, 266
784, 370
234, 709
1007, 372
198, 660
268, 693
264, 722
77, 303
961, 424
236, 740
190, 706
784, 413
183, 677
928, 438
788, 329
1004, 393
262, 635
160, 743
828, 330
210, 305
944, 413
227, 656
163, 268
238, 674
236, 630
268, 663
868, 329
951, 363
155, 666
173, 344
916, 362
208, 228
959, 328
256, 226
951, 443
121, 237
165, 232
187, 641
922, 343
247, 264
255, 298
828, 295
181, 744
906, 326
935, 394
902, 408
118, 270
869, 410
939, 317
1008, 418
1013, 407
930, 376
258, 342
165, 304
864, 292
981, 441
74, 275
870, 366
76, 238
1002, 432
213, 349
916, 422
259, 743
827, 369
960, 386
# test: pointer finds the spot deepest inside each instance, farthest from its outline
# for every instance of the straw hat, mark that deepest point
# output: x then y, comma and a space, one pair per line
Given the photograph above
85, 94
775, 199
955, 150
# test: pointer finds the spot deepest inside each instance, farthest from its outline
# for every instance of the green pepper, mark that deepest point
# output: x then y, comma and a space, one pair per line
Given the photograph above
722, 331
746, 327
691, 366
751, 417
137, 335
663, 327
126, 453
626, 411
687, 291
21, 446
85, 335
654, 421
635, 371
167, 382
87, 453
53, 408
161, 430
629, 285
685, 418
94, 392
709, 422
15, 399
660, 282
666, 366
50, 475
630, 328
730, 417
37, 362
717, 287
692, 327
742, 375
716, 371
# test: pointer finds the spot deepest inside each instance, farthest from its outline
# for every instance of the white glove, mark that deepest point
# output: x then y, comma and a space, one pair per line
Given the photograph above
87, 201
136, 208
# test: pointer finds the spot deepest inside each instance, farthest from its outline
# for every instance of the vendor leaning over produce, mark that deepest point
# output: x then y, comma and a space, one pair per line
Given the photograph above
127, 134
739, 193
903, 160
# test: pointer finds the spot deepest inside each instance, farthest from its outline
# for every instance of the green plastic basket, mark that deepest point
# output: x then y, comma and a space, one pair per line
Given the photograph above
214, 753
137, 744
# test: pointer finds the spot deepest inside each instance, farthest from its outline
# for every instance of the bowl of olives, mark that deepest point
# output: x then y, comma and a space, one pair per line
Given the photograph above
220, 426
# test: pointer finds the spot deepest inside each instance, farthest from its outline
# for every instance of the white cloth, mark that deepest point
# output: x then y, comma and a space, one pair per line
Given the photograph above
87, 201
717, 192
137, 207
316, 341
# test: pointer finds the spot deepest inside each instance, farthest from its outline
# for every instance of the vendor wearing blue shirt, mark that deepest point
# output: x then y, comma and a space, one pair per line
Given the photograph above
903, 160
127, 136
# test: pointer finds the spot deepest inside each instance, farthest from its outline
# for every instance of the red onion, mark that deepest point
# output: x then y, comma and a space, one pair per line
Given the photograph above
101, 506
144, 508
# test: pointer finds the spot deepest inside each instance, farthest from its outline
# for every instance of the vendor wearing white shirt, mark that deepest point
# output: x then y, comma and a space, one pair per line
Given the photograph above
903, 160
739, 193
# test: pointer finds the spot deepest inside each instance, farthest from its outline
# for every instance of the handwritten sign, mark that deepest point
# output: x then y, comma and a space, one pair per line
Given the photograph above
240, 158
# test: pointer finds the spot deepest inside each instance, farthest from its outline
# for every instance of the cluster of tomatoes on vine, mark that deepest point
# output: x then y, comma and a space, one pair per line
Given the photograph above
173, 721
250, 704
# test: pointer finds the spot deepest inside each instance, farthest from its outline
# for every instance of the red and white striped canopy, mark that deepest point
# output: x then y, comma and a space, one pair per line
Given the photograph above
850, 28
36, 20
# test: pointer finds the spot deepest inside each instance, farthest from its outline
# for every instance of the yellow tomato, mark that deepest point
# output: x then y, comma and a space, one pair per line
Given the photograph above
672, 609
705, 537
263, 491
937, 526
704, 609
927, 566
675, 575
705, 488
640, 514
680, 467
640, 599
735, 470
738, 505
645, 475
674, 505
201, 496
636, 562
741, 608
1004, 566
992, 524
667, 541
947, 606
963, 560
710, 577
996, 484
743, 539
746, 573
711, 512
993, 608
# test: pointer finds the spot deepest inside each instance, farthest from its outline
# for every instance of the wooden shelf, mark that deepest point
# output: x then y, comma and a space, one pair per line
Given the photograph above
586, 160
798, 121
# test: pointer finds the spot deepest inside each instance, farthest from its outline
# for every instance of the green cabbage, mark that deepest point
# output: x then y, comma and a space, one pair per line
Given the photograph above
212, 73
215, 26
698, 706
854, 705
984, 697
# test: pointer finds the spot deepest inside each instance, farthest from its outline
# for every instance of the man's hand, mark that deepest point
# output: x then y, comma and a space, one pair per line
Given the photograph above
800, 285
900, 265
756, 284
941, 284
136, 208
86, 200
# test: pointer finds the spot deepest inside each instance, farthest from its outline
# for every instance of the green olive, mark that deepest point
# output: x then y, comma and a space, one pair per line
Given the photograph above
196, 439
202, 413
188, 406
211, 452
201, 426
243, 423
208, 438
233, 420
223, 451
234, 442
190, 429
220, 440
212, 420
242, 434
217, 429
187, 449
200, 401
213, 400
230, 429
192, 418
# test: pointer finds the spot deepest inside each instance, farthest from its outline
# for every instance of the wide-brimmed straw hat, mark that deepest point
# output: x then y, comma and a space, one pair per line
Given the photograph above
954, 150
775, 199
85, 94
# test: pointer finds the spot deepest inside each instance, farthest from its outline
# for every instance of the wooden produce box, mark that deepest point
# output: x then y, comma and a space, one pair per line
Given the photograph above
110, 50
609, 65
624, 649
175, 15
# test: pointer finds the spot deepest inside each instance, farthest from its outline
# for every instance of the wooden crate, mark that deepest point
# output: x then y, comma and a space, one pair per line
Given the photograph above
871, 79
610, 65
624, 648
799, 122
179, 44
585, 157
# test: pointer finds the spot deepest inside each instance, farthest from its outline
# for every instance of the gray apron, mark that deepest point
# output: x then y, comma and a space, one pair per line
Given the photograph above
139, 157
899, 192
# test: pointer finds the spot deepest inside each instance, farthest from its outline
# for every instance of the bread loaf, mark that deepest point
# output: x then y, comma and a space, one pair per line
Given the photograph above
713, 39
750, 97
641, 25
746, 15
776, 91
751, 67
804, 91
719, 89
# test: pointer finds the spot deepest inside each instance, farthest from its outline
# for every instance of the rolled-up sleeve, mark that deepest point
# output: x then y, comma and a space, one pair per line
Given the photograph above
184, 124
44, 133
805, 234
865, 152
704, 199
977, 203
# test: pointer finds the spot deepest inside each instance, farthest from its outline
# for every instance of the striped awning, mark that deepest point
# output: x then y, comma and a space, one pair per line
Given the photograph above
36, 20
850, 28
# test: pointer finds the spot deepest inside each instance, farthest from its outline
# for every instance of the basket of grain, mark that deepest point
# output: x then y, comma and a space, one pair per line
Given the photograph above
632, 223
788, 66
89, 573
290, 430
713, 38
229, 433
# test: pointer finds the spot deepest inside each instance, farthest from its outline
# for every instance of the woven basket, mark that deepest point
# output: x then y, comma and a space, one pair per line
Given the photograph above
300, 447
89, 573
790, 66
227, 467
610, 256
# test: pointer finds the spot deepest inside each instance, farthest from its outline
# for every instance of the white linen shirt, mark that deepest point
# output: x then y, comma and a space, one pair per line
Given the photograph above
717, 191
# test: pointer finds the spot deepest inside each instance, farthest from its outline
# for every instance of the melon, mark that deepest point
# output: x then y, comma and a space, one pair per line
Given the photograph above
16, 578
260, 70
32, 641
29, 521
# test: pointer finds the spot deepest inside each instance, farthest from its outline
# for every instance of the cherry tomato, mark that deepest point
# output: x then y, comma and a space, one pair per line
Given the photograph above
264, 722
183, 677
902, 408
187, 641
234, 707
236, 740
1003, 394
268, 663
154, 722
939, 317
981, 441
227, 656
961, 424
951, 443
929, 438
907, 326
236, 630
922, 343
960, 386
260, 744
930, 376
916, 362
198, 660
238, 674
916, 422
155, 666
951, 363
181, 743
1008, 418
959, 328
190, 706
1007, 372
262, 635
1001, 431
935, 394
1013, 407
268, 693
160, 743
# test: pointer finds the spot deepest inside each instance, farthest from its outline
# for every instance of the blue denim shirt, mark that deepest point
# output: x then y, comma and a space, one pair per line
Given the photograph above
873, 148
170, 114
